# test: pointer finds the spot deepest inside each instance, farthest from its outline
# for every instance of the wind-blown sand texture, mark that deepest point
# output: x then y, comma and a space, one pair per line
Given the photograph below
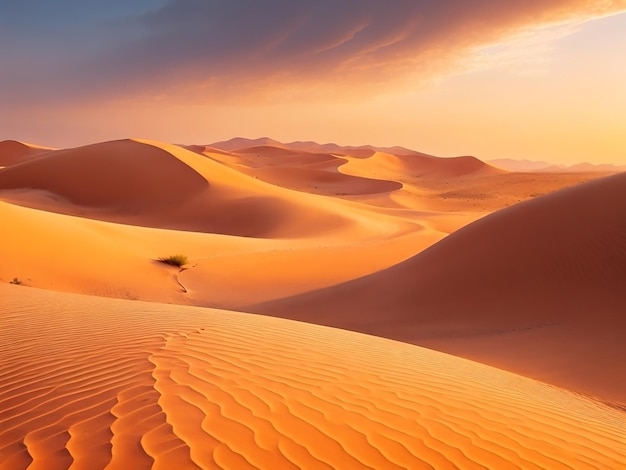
375, 240
91, 383
537, 288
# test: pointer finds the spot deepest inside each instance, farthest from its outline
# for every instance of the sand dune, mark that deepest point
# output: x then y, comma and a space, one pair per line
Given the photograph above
422, 166
293, 238
115, 260
302, 233
123, 174
315, 173
453, 191
457, 185
325, 182
13, 152
159, 185
266, 156
487, 193
537, 288
239, 143
91, 382
413, 165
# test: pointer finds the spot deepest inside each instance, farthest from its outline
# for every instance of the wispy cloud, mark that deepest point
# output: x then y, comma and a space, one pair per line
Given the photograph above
530, 52
218, 50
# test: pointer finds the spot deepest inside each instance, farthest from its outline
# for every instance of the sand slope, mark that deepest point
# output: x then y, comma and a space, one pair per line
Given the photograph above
537, 288
256, 240
91, 382
153, 184
316, 173
77, 254
253, 241
123, 173
13, 152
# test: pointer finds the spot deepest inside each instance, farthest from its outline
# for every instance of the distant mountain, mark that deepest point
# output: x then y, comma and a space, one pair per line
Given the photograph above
519, 165
240, 143
602, 167
533, 165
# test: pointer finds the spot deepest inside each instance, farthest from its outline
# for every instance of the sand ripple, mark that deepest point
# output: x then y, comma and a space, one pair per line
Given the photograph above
103, 383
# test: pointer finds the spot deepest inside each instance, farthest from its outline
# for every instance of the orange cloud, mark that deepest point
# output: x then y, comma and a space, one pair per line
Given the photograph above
221, 51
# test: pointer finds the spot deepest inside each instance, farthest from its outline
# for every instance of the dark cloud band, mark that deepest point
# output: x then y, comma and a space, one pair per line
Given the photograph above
215, 49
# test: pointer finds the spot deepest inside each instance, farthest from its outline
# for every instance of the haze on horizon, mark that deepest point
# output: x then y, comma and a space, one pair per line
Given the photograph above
540, 80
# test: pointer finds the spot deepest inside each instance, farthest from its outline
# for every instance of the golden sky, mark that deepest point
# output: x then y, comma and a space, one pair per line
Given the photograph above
539, 80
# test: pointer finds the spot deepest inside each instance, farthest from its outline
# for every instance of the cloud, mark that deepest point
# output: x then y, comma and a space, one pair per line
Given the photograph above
218, 50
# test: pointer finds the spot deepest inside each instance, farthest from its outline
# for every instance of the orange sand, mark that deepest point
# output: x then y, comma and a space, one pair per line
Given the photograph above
366, 239
91, 382
537, 288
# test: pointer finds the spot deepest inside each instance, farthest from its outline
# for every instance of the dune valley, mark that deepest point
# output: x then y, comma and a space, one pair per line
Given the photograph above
328, 307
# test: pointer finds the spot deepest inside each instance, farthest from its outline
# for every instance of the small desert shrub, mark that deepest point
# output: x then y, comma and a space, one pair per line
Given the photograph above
16, 281
174, 260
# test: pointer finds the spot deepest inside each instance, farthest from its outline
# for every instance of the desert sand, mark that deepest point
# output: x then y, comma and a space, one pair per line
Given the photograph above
110, 358
91, 382
537, 288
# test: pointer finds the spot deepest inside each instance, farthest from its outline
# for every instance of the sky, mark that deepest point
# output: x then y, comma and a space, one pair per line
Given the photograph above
534, 79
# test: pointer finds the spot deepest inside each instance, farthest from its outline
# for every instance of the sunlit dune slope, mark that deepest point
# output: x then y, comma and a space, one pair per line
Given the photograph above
315, 173
160, 185
77, 254
346, 174
488, 193
537, 288
265, 156
90, 382
253, 241
332, 183
423, 166
456, 185
247, 240
256, 240
127, 175
400, 166
13, 151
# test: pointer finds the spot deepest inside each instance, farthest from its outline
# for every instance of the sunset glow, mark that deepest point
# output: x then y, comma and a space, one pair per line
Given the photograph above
315, 234
541, 81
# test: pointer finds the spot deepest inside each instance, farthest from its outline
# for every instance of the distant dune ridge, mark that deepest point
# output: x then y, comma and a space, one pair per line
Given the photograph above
530, 165
311, 172
127, 175
439, 252
240, 143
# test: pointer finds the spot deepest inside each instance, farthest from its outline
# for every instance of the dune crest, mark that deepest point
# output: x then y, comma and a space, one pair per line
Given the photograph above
153, 184
14, 151
92, 382
548, 273
338, 236
126, 174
